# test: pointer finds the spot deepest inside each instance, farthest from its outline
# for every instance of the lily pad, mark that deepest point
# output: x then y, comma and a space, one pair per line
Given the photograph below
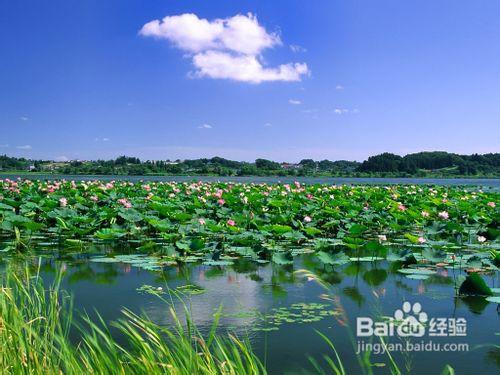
417, 271
493, 299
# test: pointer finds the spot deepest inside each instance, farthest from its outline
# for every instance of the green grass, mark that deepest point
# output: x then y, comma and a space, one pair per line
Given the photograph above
35, 326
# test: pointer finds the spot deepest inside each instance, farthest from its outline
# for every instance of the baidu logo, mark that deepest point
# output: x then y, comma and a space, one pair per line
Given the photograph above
411, 320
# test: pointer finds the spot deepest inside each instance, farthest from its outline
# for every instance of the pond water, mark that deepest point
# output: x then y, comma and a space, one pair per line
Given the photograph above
279, 311
484, 182
218, 253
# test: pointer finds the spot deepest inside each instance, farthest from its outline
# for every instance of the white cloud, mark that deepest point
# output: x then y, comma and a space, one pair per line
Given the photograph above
240, 34
296, 48
101, 139
4, 146
61, 158
24, 118
294, 101
339, 87
205, 126
246, 68
268, 124
227, 48
342, 111
24, 147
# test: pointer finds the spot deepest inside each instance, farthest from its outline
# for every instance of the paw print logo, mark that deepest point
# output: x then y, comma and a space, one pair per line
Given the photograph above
412, 320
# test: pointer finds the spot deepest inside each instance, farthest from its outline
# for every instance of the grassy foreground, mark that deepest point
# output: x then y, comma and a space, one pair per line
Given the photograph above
34, 339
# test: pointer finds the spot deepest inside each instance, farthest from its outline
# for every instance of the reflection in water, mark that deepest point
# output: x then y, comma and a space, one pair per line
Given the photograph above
106, 274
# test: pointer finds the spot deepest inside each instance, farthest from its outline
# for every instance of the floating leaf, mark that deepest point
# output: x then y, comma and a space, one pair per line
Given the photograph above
327, 258
282, 258
416, 276
104, 260
218, 262
416, 271
434, 255
365, 259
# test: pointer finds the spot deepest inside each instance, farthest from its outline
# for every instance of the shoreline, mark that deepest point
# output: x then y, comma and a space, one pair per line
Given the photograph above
463, 181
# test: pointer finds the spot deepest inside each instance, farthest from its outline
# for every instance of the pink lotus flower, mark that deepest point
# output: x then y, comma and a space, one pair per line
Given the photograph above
63, 202
421, 240
481, 239
382, 237
425, 214
491, 204
402, 207
443, 215
201, 221
231, 223
94, 198
125, 203
307, 219
221, 201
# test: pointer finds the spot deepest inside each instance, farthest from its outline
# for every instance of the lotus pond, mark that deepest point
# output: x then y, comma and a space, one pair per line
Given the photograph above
281, 262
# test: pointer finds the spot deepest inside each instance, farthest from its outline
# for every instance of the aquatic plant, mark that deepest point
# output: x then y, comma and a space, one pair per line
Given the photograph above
39, 335
218, 222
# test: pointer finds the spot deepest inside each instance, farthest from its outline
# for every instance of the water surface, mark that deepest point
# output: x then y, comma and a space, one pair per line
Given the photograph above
254, 296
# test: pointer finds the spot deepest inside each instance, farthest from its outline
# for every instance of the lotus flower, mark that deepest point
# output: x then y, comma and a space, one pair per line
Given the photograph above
125, 203
444, 215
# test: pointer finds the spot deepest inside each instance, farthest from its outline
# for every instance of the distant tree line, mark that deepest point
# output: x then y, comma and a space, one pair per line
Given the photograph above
421, 164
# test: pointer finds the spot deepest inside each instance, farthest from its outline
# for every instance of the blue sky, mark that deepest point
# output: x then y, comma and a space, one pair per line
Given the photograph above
295, 79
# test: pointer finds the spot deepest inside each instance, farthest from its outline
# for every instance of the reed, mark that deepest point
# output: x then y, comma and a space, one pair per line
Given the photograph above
35, 326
